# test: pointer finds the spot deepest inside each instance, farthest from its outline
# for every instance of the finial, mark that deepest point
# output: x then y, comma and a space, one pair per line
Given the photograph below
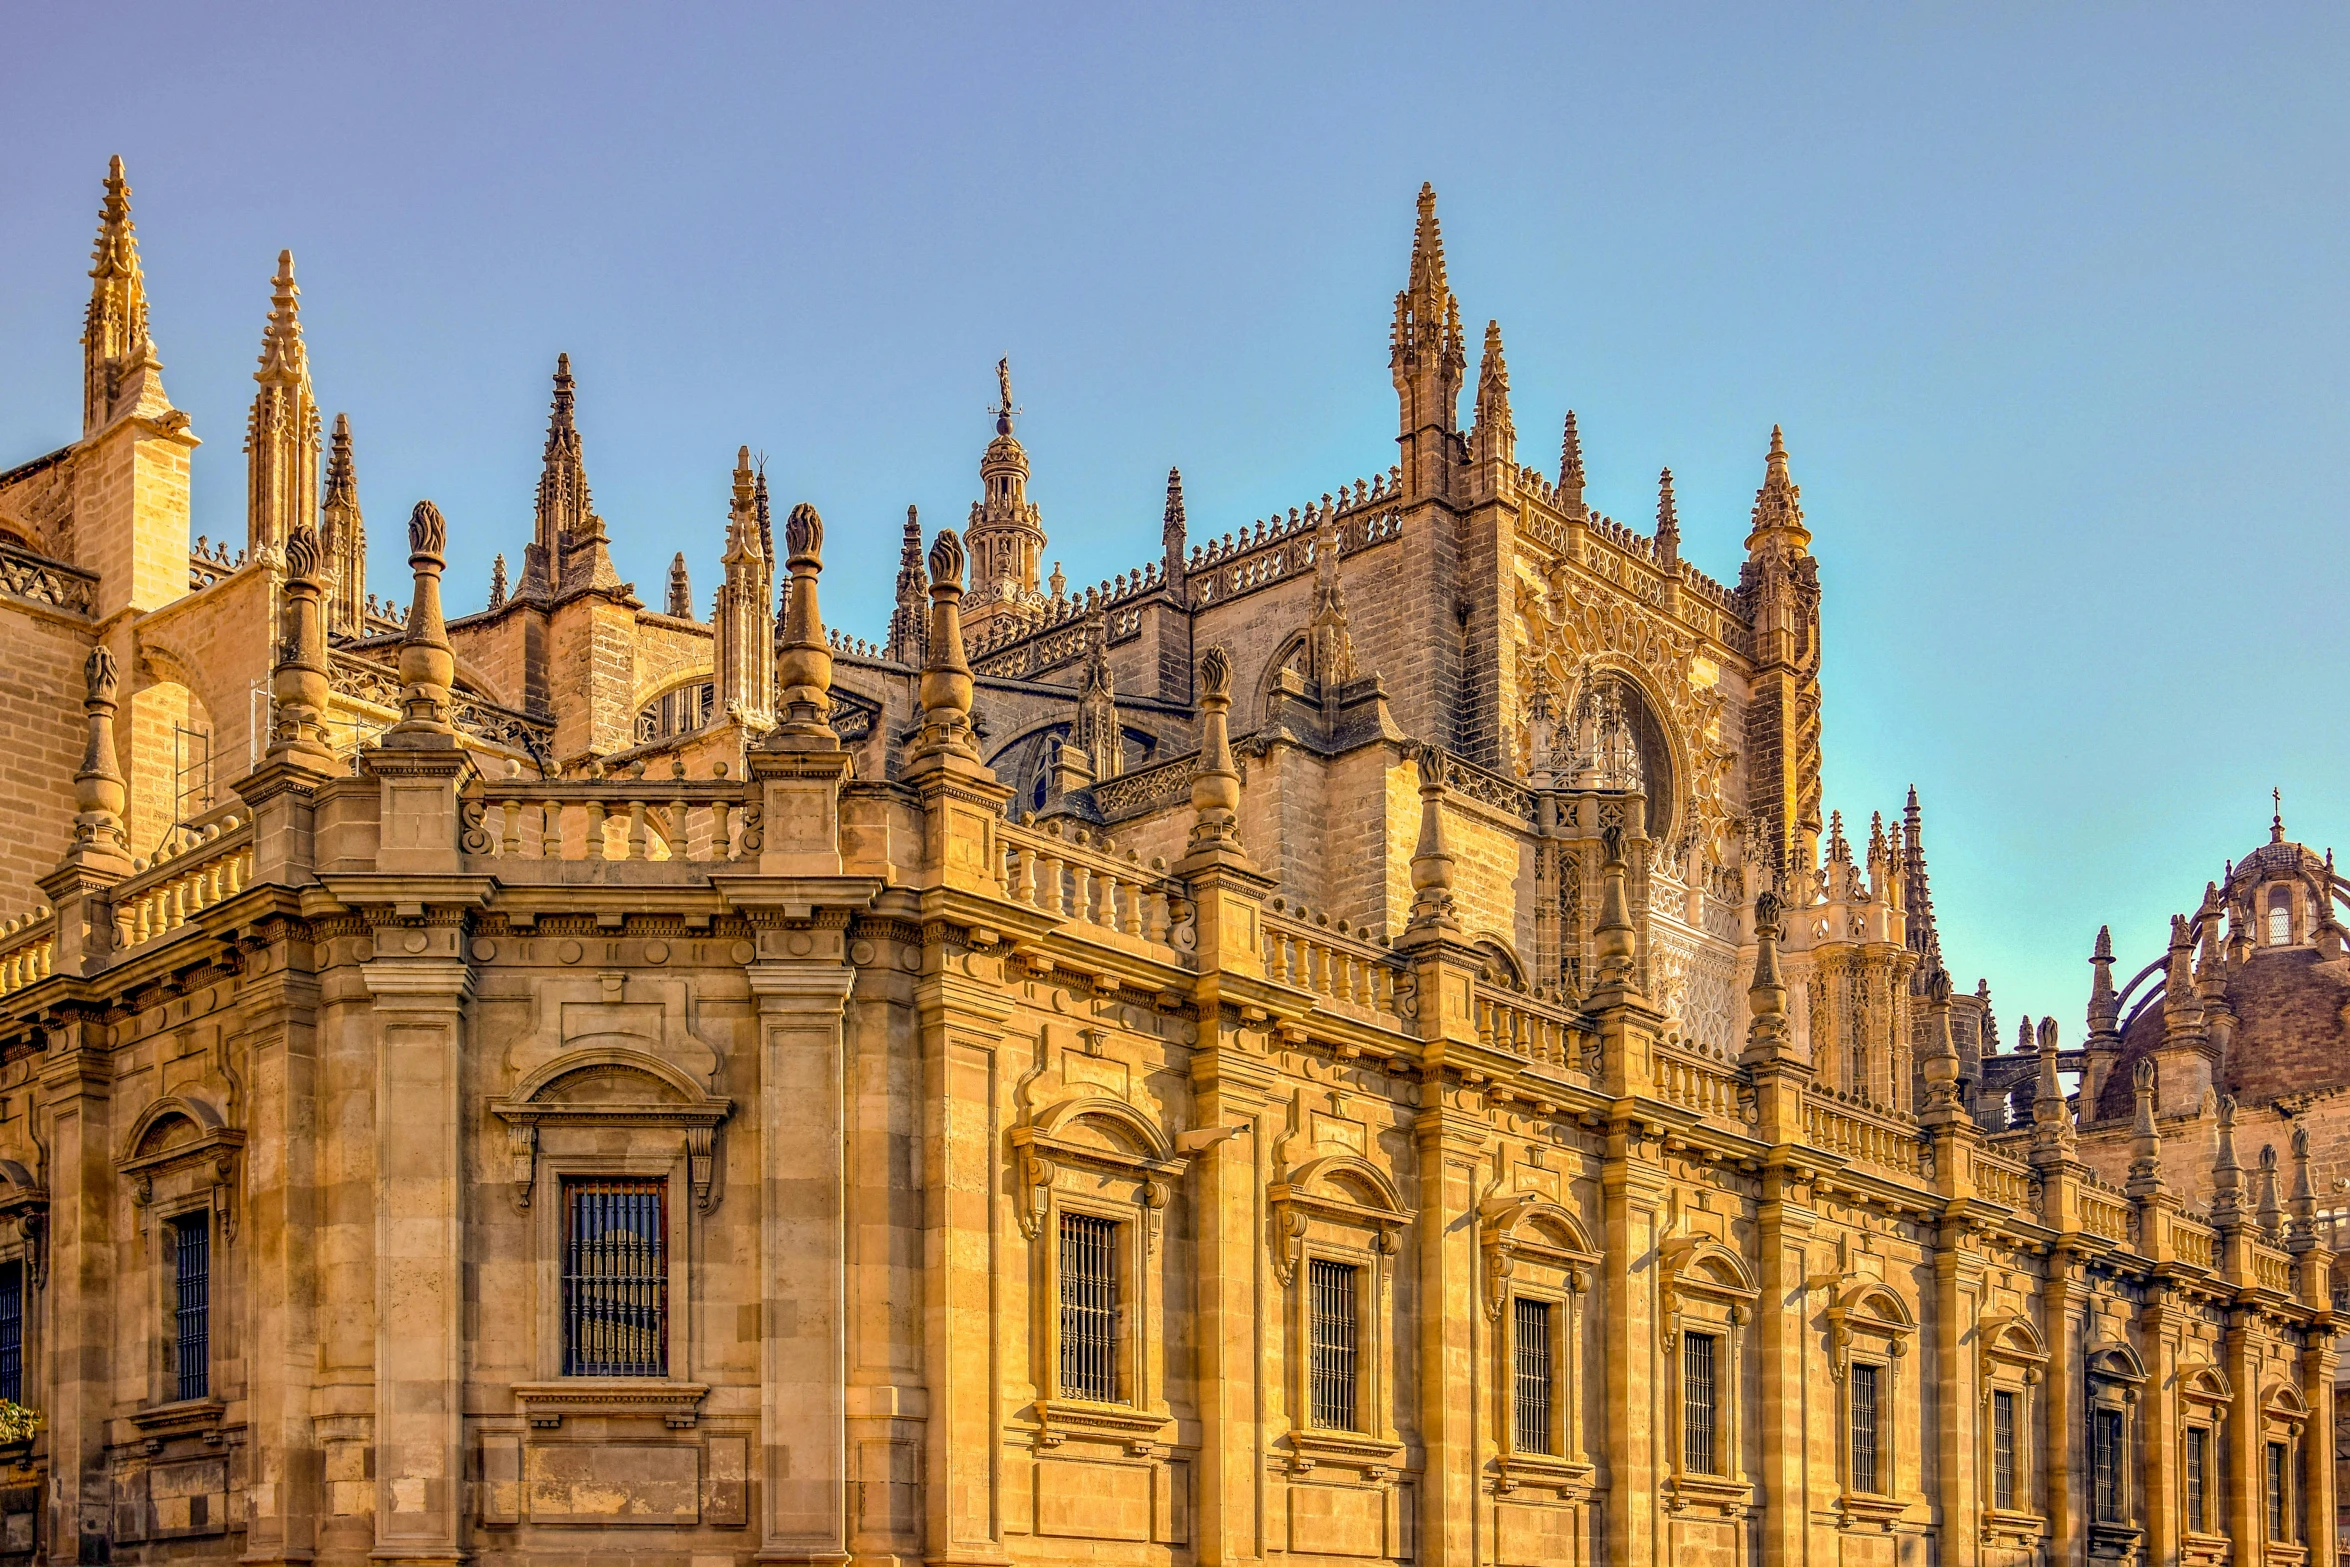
427, 668
498, 580
681, 588
298, 680
342, 476
282, 355
803, 668
98, 792
1766, 996
946, 675
1172, 525
1778, 505
1215, 785
1004, 411
1432, 896
1668, 521
2276, 823
1571, 459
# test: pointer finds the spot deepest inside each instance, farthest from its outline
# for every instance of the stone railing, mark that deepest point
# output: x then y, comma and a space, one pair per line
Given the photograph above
1866, 1134
378, 685
2107, 1213
2008, 1184
1231, 567
1071, 874
191, 872
1337, 963
1146, 789
209, 563
2197, 1245
1487, 787
1528, 1027
1711, 1088
626, 818
28, 949
40, 580
2272, 1269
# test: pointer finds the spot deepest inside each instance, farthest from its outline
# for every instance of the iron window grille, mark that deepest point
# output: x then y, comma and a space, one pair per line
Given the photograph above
2277, 1509
2198, 1493
1332, 1341
615, 1278
1089, 1308
192, 1304
2105, 1464
2003, 1451
1534, 1375
1698, 1403
12, 1332
1864, 1429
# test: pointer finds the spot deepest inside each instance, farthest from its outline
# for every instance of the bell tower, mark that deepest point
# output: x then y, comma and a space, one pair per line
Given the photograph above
1006, 534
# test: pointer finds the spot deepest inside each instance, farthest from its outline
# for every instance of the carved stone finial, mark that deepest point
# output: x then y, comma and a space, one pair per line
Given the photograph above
427, 668
803, 667
298, 684
946, 675
1432, 862
98, 793
1215, 786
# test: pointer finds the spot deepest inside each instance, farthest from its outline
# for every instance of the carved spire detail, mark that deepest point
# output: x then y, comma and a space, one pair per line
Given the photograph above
680, 601
803, 667
282, 432
1496, 435
343, 539
114, 331
744, 648
906, 621
427, 667
1172, 543
1668, 525
1571, 468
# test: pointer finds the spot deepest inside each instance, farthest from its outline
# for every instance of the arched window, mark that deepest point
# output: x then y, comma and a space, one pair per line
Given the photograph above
2280, 917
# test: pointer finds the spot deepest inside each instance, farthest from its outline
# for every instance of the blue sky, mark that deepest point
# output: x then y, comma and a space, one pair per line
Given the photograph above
2048, 299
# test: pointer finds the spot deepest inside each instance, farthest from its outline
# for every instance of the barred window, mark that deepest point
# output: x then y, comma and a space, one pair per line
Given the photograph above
1864, 1429
2198, 1485
2003, 1451
2277, 1509
1697, 1403
1332, 1344
615, 1278
12, 1332
1534, 1375
2105, 1464
1089, 1307
192, 1304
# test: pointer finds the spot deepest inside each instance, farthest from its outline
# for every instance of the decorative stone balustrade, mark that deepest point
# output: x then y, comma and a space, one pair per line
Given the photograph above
1866, 1136
197, 868
1072, 874
2197, 1245
1710, 1088
633, 818
1527, 1027
2107, 1213
2272, 1269
2010, 1185
28, 949
1337, 963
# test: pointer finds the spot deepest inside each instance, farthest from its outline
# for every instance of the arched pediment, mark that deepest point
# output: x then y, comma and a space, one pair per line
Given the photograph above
603, 1073
1547, 1225
1350, 1178
2010, 1336
1500, 961
1873, 1301
2115, 1361
2205, 1383
1112, 1125
172, 1125
1706, 1266
2283, 1401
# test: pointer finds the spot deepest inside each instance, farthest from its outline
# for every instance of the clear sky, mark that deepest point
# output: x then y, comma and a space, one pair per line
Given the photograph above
2049, 300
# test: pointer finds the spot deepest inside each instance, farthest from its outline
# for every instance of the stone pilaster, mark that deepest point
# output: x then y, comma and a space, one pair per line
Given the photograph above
1231, 1086
1452, 1136
1785, 1221
1633, 1188
77, 1090
421, 985
800, 983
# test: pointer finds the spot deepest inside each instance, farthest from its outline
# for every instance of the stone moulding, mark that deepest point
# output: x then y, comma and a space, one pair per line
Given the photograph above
545, 1404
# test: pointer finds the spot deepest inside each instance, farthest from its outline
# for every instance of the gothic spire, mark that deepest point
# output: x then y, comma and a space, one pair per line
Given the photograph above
1778, 505
681, 588
116, 323
498, 580
1496, 434
744, 650
1571, 466
1917, 896
906, 628
1172, 541
1426, 357
343, 536
1668, 524
564, 512
281, 434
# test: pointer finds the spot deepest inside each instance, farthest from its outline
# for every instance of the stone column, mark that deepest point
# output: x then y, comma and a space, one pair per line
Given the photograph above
801, 983
2160, 1491
421, 986
2244, 1486
1451, 1137
77, 1091
2319, 1523
1958, 1302
2065, 1542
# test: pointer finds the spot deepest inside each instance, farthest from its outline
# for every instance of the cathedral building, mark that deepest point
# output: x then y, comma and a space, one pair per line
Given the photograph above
1358, 1039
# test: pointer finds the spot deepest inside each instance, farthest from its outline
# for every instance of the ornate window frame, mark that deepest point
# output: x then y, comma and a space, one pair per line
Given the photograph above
1341, 1208
1535, 1249
2014, 1359
2114, 1380
1099, 1155
170, 1182
539, 1118
2205, 1401
2284, 1417
1869, 1324
1707, 1289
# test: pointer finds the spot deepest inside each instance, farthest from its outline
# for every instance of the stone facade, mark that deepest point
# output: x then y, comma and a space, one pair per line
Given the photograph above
1355, 1040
